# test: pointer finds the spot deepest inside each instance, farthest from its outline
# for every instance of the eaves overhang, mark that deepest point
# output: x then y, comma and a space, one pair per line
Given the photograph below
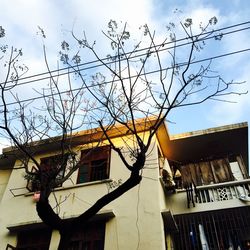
7, 162
224, 140
208, 143
10, 154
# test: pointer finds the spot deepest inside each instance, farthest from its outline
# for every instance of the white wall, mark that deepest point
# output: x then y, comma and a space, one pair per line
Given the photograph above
4, 178
137, 223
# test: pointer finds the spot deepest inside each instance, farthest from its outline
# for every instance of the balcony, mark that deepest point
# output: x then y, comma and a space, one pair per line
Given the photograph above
208, 197
223, 191
207, 184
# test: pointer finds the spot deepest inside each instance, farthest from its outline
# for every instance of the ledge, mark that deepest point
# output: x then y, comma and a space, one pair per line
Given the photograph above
224, 184
85, 184
38, 224
77, 186
213, 185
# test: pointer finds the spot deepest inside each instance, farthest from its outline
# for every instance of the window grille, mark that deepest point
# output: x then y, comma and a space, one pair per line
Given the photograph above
38, 239
221, 228
91, 237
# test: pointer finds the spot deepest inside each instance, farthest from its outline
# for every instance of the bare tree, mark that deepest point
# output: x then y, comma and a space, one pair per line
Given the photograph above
144, 79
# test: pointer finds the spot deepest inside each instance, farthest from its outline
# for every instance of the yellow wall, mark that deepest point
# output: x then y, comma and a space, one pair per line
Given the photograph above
4, 178
137, 223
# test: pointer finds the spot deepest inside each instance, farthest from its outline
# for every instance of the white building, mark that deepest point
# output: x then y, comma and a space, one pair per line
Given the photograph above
153, 215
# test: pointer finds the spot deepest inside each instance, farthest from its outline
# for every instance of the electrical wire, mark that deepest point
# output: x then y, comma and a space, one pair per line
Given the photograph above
136, 51
148, 73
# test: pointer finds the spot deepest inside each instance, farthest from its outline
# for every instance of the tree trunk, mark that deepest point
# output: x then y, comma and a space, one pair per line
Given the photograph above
67, 228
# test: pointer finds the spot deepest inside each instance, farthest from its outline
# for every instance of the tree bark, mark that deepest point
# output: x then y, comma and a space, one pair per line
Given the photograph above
47, 214
67, 228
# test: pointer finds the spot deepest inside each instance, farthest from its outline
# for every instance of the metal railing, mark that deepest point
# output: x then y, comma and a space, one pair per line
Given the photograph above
222, 228
223, 191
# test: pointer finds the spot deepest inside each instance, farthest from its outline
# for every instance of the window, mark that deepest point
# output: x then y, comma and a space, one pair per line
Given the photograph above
50, 165
56, 162
223, 229
208, 171
38, 239
94, 164
90, 238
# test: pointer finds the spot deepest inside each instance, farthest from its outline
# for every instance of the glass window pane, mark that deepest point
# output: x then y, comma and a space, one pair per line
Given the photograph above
94, 164
83, 175
98, 170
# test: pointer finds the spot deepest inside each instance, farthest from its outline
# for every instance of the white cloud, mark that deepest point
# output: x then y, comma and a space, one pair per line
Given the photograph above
21, 18
4, 142
226, 113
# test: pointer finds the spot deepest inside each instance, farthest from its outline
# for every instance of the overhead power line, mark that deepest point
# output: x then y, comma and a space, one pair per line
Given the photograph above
96, 63
148, 73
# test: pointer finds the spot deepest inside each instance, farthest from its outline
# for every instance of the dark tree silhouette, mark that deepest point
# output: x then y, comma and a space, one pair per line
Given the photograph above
147, 79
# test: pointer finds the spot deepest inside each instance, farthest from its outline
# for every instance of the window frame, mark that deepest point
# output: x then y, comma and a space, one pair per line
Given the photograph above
89, 156
93, 233
63, 165
33, 185
27, 239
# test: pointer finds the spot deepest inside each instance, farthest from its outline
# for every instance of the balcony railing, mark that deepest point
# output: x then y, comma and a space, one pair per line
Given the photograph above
223, 191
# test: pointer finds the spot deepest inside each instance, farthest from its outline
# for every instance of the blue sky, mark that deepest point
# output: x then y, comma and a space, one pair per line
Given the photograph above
20, 19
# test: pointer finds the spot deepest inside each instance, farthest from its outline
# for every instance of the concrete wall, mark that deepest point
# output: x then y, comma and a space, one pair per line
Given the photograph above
137, 223
4, 179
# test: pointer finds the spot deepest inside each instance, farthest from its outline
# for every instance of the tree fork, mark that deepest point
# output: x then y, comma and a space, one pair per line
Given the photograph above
66, 228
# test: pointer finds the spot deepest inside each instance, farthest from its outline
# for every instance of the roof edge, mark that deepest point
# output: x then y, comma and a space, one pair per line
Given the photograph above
209, 131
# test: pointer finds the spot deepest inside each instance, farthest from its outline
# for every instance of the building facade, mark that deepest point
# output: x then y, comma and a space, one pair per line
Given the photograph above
209, 204
193, 195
